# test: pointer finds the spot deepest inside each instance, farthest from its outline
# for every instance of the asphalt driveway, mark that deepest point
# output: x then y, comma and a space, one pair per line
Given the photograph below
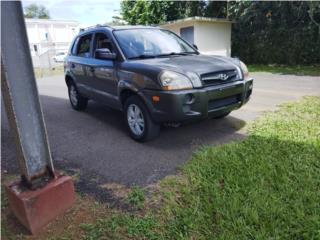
95, 145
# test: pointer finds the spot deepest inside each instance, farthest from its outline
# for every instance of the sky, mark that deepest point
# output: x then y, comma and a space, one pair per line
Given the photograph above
90, 12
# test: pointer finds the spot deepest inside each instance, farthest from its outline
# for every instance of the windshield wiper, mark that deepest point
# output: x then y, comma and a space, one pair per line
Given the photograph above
143, 56
175, 53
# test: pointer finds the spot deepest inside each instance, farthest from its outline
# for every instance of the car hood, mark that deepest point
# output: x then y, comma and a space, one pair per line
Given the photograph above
199, 64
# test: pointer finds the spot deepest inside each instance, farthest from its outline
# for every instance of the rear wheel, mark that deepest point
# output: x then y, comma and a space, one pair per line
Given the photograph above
76, 100
141, 127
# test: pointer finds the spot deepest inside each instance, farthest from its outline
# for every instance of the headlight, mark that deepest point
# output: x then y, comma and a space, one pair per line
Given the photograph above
244, 70
173, 81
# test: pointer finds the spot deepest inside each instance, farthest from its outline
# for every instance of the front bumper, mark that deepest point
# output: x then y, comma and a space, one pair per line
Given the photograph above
193, 104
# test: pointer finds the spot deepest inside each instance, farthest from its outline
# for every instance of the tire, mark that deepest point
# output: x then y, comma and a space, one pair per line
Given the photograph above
222, 115
139, 122
77, 102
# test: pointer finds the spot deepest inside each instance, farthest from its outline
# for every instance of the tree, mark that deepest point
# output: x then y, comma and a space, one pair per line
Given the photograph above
264, 31
216, 9
36, 11
143, 12
155, 12
116, 21
276, 32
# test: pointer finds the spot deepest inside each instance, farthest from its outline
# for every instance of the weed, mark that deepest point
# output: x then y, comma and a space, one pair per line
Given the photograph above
136, 197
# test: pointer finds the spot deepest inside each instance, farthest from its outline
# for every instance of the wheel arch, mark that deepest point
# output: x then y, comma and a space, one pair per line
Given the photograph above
126, 90
69, 80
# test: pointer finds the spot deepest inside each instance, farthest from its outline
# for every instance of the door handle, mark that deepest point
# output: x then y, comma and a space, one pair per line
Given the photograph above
91, 69
73, 65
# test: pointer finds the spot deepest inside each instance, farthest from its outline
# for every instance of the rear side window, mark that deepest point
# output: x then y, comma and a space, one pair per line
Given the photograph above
83, 46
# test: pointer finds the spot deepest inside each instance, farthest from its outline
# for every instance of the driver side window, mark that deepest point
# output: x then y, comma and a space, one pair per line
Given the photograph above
102, 42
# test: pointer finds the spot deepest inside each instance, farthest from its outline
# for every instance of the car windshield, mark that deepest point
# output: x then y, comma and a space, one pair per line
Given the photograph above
147, 43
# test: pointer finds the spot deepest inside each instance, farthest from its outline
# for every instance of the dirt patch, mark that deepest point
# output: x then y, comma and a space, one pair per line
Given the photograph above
118, 190
67, 226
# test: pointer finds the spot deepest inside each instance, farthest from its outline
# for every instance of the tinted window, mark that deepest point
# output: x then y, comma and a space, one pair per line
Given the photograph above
74, 47
102, 41
83, 48
136, 42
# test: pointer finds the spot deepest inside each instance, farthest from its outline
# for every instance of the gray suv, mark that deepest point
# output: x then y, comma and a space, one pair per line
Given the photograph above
153, 76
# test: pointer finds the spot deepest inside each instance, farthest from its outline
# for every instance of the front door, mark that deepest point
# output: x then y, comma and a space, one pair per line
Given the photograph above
103, 72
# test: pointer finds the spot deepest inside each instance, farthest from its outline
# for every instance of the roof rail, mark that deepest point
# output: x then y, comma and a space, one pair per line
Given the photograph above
95, 26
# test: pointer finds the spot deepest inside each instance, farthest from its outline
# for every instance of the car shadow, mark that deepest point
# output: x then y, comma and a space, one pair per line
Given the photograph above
189, 134
96, 141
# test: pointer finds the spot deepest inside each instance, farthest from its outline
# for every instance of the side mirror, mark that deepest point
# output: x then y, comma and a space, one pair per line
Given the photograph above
104, 53
195, 46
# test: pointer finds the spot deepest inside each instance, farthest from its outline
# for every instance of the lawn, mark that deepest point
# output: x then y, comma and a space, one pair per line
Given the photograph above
45, 72
293, 70
264, 187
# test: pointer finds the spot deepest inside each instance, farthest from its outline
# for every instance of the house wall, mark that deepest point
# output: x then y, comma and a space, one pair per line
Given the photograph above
50, 33
49, 37
210, 37
213, 38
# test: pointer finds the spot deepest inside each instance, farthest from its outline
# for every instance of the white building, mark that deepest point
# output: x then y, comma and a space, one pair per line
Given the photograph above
211, 35
47, 37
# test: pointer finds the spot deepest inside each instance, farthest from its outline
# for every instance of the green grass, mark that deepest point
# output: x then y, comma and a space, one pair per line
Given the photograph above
122, 226
45, 72
295, 70
264, 187
136, 197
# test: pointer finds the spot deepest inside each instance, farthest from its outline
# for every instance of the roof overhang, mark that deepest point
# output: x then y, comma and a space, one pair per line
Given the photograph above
198, 19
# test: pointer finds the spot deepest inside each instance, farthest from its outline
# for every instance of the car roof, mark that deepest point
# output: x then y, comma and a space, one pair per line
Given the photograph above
110, 28
133, 27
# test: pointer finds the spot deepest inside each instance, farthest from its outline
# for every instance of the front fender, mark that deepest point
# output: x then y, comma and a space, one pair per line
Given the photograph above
124, 85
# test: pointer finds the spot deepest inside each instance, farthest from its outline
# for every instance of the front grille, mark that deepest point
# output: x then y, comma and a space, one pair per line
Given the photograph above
221, 77
222, 102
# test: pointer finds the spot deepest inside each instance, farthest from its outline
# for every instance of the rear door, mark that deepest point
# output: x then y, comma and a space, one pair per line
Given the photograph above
79, 63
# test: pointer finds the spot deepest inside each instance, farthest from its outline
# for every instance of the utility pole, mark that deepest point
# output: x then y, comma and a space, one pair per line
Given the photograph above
41, 194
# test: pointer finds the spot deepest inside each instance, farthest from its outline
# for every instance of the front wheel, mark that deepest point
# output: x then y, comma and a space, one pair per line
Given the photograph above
141, 127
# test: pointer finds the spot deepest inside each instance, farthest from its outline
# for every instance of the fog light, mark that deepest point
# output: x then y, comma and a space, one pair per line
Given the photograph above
155, 98
250, 86
189, 98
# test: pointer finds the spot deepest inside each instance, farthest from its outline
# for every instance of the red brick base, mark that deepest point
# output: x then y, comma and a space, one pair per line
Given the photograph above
37, 208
